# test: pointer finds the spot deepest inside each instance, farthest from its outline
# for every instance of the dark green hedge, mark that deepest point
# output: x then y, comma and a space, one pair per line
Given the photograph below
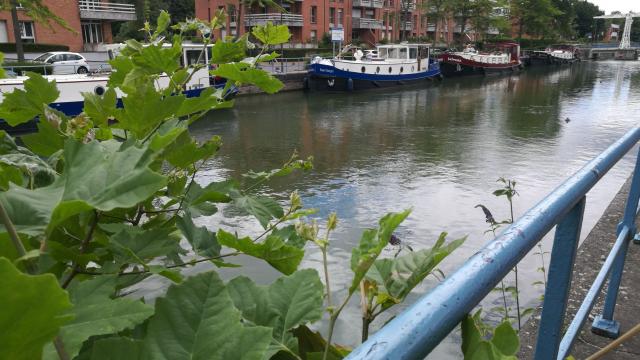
21, 67
32, 48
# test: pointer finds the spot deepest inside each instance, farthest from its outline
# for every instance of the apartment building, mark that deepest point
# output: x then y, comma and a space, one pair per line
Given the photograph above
90, 19
368, 21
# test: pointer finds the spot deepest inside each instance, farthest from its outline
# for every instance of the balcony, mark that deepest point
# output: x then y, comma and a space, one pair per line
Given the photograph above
274, 18
368, 3
364, 23
101, 10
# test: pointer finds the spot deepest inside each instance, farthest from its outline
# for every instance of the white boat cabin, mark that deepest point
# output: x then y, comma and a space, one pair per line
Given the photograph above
396, 59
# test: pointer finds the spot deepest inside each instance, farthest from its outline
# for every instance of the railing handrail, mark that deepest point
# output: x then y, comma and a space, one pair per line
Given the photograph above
422, 326
90, 5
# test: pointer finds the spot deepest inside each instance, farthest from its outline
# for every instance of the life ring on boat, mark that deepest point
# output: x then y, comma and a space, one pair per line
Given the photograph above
99, 90
331, 82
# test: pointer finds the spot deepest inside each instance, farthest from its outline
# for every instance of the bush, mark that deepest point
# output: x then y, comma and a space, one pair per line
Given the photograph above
22, 66
28, 47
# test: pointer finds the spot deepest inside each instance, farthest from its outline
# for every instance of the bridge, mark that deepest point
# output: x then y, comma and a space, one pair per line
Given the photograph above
626, 50
414, 333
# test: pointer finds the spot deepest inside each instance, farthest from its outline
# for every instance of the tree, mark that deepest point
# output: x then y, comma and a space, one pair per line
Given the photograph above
535, 17
34, 9
439, 11
564, 20
584, 21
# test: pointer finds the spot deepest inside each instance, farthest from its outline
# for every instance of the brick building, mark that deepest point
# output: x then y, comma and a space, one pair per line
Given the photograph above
91, 20
367, 21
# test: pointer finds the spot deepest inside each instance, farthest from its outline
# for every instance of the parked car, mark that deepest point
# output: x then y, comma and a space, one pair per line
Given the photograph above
65, 62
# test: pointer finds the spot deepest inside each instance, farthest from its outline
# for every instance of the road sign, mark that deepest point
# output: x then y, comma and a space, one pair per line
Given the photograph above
337, 34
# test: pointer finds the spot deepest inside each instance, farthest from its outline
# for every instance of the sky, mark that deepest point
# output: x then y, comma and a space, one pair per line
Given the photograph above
620, 5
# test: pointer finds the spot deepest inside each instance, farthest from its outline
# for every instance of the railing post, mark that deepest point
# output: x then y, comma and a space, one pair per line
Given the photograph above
604, 324
563, 254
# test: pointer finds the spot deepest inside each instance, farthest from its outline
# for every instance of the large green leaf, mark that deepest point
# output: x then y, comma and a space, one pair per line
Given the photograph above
117, 348
503, 344
197, 320
398, 276
225, 52
133, 245
184, 151
146, 108
96, 313
46, 141
102, 176
100, 108
263, 208
371, 244
21, 106
33, 309
289, 302
270, 34
311, 345
245, 74
285, 258
203, 241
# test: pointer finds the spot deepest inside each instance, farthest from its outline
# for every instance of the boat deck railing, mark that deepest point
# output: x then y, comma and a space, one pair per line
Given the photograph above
414, 333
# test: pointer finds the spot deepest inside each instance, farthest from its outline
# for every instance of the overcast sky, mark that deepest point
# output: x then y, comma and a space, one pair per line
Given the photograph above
620, 5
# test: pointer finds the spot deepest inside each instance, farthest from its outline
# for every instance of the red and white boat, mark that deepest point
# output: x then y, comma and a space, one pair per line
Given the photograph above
498, 57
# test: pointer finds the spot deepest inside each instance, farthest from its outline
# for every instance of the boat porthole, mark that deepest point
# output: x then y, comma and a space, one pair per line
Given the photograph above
389, 69
401, 69
412, 68
378, 70
99, 90
363, 69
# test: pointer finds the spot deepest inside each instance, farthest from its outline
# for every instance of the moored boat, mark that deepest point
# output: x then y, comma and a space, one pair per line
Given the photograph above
71, 87
497, 58
555, 54
388, 65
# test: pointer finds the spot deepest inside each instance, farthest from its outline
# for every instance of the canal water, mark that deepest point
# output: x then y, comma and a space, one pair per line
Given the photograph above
437, 149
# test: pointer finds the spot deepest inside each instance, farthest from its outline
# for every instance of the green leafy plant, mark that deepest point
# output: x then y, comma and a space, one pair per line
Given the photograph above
480, 341
94, 204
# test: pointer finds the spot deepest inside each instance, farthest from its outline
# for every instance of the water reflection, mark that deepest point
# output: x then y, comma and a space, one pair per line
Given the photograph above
438, 150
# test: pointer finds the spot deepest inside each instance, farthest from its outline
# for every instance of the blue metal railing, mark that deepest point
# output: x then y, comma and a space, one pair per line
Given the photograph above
419, 329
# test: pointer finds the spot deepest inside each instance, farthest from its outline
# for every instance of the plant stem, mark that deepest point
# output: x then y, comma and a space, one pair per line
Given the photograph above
15, 239
544, 270
504, 300
332, 324
326, 274
517, 296
192, 262
83, 248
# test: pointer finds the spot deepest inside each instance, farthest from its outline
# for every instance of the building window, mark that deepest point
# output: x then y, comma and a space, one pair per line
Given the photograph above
232, 13
26, 31
314, 36
314, 14
340, 17
92, 32
332, 16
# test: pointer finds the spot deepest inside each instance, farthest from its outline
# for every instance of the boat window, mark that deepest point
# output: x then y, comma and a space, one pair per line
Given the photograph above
378, 69
401, 69
393, 53
413, 53
403, 53
424, 52
363, 69
193, 55
382, 53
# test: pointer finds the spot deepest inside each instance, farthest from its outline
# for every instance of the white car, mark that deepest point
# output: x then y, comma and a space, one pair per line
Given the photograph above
65, 62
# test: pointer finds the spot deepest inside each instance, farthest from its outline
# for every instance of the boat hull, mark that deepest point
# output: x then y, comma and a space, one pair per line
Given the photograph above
328, 78
542, 58
452, 69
